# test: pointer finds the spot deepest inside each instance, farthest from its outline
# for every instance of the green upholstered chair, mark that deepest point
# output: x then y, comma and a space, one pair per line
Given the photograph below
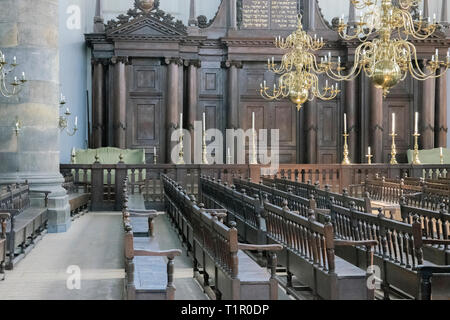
109, 155
431, 156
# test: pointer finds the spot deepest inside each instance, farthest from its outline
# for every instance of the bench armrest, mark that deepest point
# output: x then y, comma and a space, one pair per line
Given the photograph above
433, 269
348, 243
269, 247
144, 213
5, 216
167, 253
436, 241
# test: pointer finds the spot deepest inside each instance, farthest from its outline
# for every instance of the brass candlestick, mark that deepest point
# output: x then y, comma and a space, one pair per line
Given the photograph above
346, 159
416, 159
393, 149
181, 152
253, 156
204, 153
369, 158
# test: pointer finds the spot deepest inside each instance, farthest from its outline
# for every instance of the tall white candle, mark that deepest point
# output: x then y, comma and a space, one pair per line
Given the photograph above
393, 123
204, 122
253, 121
345, 123
441, 151
416, 126
369, 151
76, 122
181, 122
154, 151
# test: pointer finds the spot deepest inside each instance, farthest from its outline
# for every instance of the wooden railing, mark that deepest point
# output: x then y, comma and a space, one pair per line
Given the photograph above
104, 182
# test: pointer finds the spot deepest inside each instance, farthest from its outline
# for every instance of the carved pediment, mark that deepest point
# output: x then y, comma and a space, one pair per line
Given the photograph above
147, 23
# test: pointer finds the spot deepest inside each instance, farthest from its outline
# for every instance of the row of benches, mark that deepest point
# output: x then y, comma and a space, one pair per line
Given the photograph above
399, 253
147, 275
308, 245
214, 246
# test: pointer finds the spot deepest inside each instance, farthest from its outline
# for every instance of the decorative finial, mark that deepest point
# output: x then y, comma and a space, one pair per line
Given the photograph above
145, 5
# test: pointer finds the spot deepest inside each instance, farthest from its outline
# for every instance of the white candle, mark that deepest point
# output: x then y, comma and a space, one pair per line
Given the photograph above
154, 151
76, 122
181, 122
204, 122
369, 151
442, 151
416, 126
253, 121
393, 123
345, 123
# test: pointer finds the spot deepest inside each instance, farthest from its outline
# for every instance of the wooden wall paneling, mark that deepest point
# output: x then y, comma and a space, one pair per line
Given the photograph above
328, 131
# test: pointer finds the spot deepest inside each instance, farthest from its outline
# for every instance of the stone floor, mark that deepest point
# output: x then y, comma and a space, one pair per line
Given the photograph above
93, 245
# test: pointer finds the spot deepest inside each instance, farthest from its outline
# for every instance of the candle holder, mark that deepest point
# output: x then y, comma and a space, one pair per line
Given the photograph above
181, 152
393, 149
229, 159
253, 159
204, 153
369, 158
155, 158
442, 158
346, 160
416, 159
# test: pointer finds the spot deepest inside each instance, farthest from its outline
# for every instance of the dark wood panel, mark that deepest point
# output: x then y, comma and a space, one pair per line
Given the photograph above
145, 122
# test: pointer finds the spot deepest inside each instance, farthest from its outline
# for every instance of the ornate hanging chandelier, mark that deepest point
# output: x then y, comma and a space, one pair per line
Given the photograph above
298, 70
15, 86
386, 55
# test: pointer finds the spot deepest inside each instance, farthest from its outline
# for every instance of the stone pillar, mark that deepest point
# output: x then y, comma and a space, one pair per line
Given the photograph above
33, 155
350, 109
98, 104
193, 66
427, 113
376, 123
192, 20
120, 101
232, 15
233, 94
173, 107
311, 131
441, 124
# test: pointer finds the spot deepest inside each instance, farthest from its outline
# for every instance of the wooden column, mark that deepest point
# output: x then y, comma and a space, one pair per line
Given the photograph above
441, 111
233, 94
376, 123
427, 113
193, 66
98, 104
172, 108
120, 101
311, 131
350, 109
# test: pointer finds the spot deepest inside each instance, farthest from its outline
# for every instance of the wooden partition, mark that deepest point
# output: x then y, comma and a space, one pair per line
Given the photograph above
105, 181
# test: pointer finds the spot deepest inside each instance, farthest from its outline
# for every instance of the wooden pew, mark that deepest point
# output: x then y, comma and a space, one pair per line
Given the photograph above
309, 254
435, 225
4, 217
282, 226
215, 247
434, 282
78, 201
148, 276
26, 223
399, 252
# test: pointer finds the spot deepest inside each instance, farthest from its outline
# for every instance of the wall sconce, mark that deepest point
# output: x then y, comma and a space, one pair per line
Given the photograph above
16, 84
63, 120
17, 126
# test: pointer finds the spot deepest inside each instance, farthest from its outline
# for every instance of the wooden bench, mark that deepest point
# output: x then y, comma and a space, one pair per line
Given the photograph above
148, 276
26, 224
226, 268
4, 217
78, 201
399, 252
435, 225
434, 282
309, 254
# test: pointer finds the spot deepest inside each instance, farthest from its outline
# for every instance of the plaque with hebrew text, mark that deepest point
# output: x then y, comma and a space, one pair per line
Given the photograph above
269, 14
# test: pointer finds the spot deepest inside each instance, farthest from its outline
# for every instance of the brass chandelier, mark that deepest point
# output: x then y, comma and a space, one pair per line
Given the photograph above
386, 55
298, 70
